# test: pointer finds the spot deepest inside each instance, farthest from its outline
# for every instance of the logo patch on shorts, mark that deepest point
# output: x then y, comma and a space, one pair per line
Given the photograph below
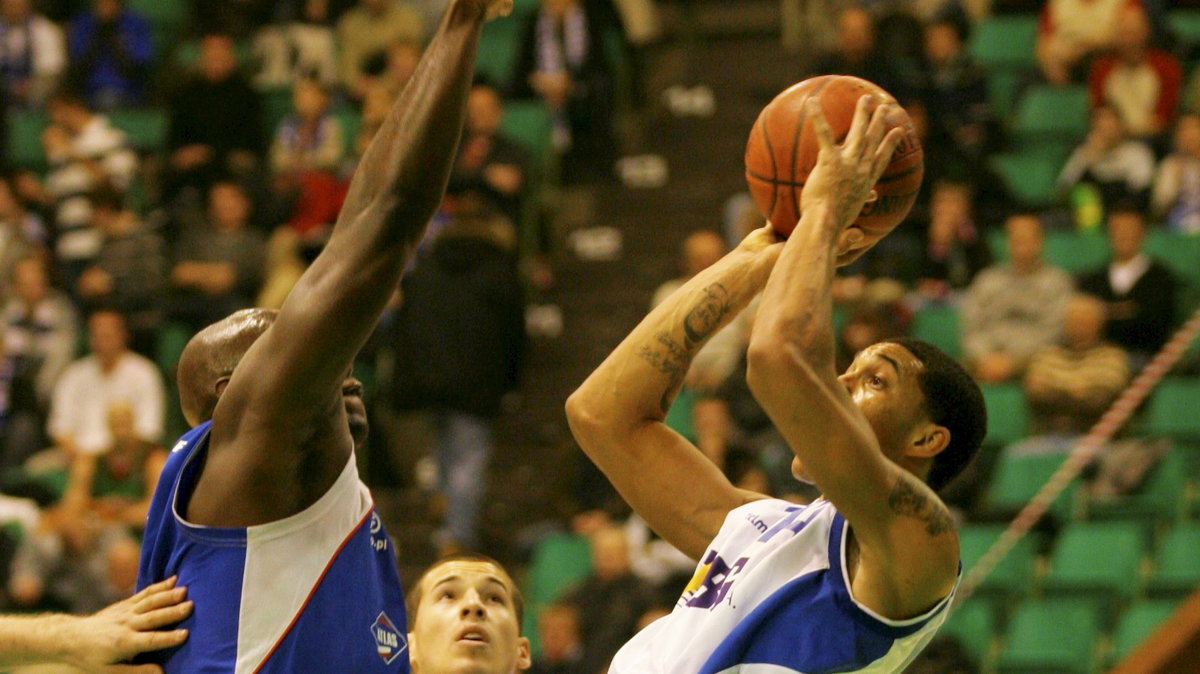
388, 640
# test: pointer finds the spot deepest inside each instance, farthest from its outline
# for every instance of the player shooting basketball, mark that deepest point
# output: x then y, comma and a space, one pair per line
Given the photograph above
862, 577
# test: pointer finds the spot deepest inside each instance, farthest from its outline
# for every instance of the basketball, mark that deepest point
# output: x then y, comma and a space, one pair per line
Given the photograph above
783, 148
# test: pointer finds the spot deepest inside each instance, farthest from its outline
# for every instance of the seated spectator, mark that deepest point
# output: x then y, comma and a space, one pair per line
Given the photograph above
1139, 291
85, 152
218, 264
310, 139
129, 272
954, 89
1069, 385
21, 232
857, 53
109, 375
390, 69
1073, 31
1120, 167
626, 598
33, 54
369, 28
562, 644
40, 328
561, 60
488, 162
303, 47
1176, 196
110, 54
1142, 84
954, 251
1012, 310
85, 552
214, 129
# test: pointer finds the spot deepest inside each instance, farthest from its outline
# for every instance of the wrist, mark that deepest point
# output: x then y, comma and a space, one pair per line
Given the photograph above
467, 11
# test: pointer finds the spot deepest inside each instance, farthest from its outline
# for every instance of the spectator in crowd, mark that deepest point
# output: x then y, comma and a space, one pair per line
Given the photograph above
1012, 310
218, 264
129, 272
1069, 385
1176, 195
1073, 31
1120, 167
954, 251
40, 328
389, 69
458, 341
562, 644
1139, 291
89, 388
85, 154
303, 47
626, 598
214, 125
309, 139
110, 54
857, 53
33, 54
21, 232
85, 552
1141, 83
488, 162
368, 29
561, 60
954, 89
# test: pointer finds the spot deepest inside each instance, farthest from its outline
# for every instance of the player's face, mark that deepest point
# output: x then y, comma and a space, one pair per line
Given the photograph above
883, 382
356, 409
466, 622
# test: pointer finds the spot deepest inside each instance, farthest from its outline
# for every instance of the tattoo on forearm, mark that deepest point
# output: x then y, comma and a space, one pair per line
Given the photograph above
671, 358
907, 500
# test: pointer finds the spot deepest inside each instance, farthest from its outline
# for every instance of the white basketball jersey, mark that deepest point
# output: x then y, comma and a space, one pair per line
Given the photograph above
771, 596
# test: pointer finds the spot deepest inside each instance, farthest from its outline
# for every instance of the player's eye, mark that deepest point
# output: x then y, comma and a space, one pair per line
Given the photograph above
876, 381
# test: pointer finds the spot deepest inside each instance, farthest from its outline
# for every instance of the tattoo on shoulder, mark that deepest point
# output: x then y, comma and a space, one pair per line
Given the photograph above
907, 500
702, 320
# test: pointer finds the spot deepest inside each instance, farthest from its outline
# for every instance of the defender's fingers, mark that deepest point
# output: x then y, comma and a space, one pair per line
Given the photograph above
820, 125
883, 156
156, 641
133, 669
862, 116
156, 587
159, 617
160, 599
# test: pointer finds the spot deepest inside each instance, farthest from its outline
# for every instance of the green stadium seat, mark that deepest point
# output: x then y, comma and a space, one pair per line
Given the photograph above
1096, 559
1004, 42
1050, 636
25, 129
145, 128
1179, 252
1030, 176
1173, 409
679, 417
1138, 622
974, 624
496, 57
559, 561
528, 124
351, 123
1077, 252
1013, 576
1185, 25
1058, 114
1177, 564
276, 106
1161, 495
1008, 415
938, 325
1003, 87
1018, 477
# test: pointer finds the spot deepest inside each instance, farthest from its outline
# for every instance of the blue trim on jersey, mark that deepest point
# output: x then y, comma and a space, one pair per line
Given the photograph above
792, 627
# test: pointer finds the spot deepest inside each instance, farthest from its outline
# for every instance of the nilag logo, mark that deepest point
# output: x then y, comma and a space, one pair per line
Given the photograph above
388, 640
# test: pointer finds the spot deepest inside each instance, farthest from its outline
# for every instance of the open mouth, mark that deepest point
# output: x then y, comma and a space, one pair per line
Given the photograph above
473, 635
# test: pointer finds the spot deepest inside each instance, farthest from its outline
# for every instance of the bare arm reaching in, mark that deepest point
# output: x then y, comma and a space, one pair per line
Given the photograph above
280, 437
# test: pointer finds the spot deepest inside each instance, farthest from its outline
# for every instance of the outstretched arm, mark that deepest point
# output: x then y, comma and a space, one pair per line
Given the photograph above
908, 550
92, 643
617, 414
293, 373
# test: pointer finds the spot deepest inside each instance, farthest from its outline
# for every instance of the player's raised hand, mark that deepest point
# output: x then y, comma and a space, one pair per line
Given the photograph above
492, 9
844, 175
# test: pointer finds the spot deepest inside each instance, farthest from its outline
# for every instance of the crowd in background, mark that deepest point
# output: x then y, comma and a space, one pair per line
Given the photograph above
115, 249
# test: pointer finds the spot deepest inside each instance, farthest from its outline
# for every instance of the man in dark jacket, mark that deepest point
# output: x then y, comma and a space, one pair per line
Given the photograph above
458, 341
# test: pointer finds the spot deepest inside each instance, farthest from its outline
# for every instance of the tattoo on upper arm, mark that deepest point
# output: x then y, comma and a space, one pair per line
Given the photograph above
907, 500
671, 358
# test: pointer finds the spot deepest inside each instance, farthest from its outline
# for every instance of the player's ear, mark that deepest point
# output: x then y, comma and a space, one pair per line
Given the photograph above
524, 659
928, 440
412, 653
219, 387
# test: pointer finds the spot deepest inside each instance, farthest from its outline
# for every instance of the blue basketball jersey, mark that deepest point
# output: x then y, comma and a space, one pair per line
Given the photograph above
772, 596
315, 592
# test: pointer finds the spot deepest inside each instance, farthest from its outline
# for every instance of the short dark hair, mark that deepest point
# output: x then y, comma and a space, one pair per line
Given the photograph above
1127, 207
953, 400
414, 595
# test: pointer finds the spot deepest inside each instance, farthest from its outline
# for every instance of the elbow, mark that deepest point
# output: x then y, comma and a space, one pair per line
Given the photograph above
584, 417
764, 357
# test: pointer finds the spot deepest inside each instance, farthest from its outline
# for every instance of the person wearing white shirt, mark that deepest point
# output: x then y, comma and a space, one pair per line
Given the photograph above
33, 53
90, 386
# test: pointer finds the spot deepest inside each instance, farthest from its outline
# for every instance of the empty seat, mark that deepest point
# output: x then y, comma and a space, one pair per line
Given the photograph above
1177, 563
1013, 576
1050, 636
1173, 409
938, 325
145, 128
1018, 477
1030, 176
1098, 559
1008, 417
1004, 42
1055, 113
1138, 622
974, 624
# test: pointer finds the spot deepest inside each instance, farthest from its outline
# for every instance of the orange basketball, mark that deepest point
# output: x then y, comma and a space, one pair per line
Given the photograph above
783, 148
